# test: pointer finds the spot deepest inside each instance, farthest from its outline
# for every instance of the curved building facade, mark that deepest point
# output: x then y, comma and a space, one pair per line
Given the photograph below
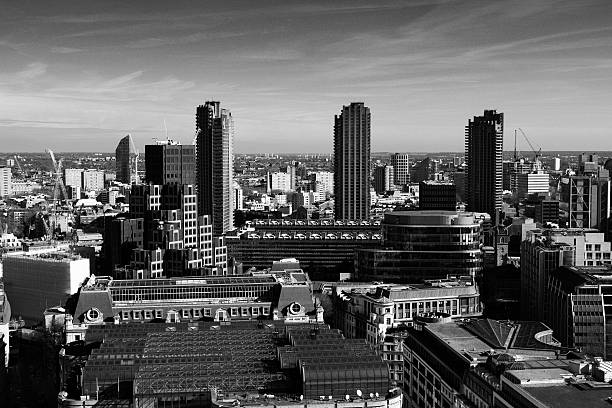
420, 245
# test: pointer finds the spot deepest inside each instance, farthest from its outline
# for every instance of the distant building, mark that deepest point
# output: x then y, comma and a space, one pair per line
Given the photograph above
93, 180
37, 281
401, 168
123, 161
326, 181
170, 162
352, 162
437, 195
511, 173
589, 198
484, 146
279, 181
238, 196
5, 182
383, 179
215, 165
532, 183
547, 211
422, 170
556, 164
418, 245
73, 178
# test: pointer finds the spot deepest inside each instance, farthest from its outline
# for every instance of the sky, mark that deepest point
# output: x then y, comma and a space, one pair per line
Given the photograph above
79, 75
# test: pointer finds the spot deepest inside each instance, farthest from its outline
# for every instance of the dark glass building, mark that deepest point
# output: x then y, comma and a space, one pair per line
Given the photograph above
168, 162
352, 162
484, 146
420, 245
122, 160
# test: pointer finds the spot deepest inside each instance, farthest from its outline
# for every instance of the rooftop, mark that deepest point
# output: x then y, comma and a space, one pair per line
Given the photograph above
476, 339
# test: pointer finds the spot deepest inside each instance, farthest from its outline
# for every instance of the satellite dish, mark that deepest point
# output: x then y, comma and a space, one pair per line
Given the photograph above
329, 398
301, 397
371, 395
347, 397
359, 393
377, 395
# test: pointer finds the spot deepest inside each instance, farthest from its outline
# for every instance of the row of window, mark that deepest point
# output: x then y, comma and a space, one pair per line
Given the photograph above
173, 315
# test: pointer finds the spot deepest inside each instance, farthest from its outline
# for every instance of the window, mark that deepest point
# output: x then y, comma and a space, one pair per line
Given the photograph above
255, 311
158, 314
245, 311
207, 312
136, 314
148, 314
185, 313
125, 315
234, 311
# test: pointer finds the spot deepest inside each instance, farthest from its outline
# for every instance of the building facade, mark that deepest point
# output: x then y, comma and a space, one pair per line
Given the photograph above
437, 195
580, 307
419, 245
170, 162
484, 146
215, 165
37, 281
383, 179
5, 182
352, 162
401, 168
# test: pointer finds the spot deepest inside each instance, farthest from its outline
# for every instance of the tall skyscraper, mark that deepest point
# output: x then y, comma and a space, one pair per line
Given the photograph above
484, 145
214, 165
401, 168
352, 162
122, 160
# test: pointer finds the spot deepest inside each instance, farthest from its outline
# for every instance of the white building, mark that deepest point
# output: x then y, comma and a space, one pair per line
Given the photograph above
93, 180
532, 183
279, 181
5, 182
238, 196
326, 180
73, 178
37, 281
24, 187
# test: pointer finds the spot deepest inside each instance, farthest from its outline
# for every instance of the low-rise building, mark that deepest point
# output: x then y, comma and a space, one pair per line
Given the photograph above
282, 295
380, 313
36, 281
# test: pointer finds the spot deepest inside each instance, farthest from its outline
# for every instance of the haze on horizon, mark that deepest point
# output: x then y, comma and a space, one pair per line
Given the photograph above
80, 75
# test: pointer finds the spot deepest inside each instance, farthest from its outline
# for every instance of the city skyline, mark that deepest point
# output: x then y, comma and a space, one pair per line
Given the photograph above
83, 79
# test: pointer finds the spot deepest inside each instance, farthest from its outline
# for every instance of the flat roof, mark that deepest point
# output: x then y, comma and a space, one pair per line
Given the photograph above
566, 395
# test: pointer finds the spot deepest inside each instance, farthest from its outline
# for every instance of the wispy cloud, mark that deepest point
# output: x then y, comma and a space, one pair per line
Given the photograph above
65, 50
32, 71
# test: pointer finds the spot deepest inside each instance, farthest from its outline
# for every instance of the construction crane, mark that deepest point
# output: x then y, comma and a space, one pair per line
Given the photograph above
58, 189
537, 153
19, 166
